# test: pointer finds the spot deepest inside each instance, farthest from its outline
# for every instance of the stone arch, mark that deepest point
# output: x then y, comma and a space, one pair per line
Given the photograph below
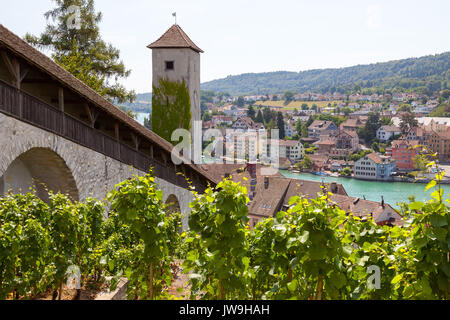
42, 169
173, 205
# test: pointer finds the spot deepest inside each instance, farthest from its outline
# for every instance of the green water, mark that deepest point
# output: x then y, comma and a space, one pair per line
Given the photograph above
393, 192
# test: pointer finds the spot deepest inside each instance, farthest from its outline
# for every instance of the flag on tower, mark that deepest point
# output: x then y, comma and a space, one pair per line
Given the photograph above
175, 16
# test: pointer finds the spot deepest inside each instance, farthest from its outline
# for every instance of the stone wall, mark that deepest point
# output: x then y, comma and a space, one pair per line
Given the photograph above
94, 174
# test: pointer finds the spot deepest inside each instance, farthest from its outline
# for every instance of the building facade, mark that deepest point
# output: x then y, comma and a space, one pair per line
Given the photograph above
374, 167
403, 152
384, 133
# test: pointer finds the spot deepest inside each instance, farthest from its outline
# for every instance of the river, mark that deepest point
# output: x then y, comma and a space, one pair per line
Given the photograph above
393, 192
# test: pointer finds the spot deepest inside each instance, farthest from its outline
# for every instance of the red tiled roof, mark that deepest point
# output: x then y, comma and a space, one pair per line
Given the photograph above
175, 37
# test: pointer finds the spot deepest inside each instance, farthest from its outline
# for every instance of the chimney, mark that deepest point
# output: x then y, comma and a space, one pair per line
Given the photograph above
266, 182
334, 187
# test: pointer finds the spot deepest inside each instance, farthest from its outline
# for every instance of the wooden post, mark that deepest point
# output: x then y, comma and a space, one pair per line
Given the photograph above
117, 134
61, 98
164, 156
61, 107
136, 140
89, 114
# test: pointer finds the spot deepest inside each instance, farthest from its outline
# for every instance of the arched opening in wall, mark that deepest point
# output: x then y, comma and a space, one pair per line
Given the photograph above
41, 169
173, 206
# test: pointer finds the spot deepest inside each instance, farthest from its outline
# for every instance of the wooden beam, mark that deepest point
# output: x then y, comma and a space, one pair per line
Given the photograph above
61, 98
23, 73
91, 112
13, 67
116, 130
136, 140
9, 64
66, 101
32, 80
151, 151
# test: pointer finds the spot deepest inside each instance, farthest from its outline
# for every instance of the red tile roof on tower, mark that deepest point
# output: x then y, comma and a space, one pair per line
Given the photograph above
175, 37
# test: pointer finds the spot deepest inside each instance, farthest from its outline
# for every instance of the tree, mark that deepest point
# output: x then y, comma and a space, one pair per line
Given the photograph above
259, 117
240, 102
386, 121
206, 116
280, 125
305, 106
267, 114
445, 94
251, 112
408, 122
288, 97
147, 122
420, 163
346, 172
306, 163
369, 131
72, 47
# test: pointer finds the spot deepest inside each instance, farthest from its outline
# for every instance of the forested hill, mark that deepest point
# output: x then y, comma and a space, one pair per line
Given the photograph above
425, 74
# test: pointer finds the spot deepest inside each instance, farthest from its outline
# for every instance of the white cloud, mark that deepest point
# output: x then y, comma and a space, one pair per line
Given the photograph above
373, 19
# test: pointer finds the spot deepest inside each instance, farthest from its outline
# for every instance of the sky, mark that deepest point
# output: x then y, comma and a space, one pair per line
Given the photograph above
243, 36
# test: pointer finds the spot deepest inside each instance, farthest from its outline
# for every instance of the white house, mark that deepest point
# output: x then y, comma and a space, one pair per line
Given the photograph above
384, 133
291, 149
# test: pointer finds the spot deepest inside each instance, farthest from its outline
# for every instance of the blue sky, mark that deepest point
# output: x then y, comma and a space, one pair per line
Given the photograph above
240, 36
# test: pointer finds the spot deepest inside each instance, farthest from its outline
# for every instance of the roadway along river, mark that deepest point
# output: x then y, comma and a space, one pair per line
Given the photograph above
393, 192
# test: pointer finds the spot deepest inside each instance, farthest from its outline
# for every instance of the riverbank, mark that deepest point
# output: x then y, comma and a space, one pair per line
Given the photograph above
445, 180
393, 192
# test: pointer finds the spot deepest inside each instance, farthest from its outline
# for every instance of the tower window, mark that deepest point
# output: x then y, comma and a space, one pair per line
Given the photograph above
169, 65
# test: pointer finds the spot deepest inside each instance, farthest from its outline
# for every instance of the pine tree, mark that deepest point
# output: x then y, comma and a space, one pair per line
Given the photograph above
259, 117
251, 112
280, 125
73, 36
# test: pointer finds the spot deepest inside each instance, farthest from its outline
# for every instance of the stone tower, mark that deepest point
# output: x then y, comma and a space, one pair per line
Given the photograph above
176, 57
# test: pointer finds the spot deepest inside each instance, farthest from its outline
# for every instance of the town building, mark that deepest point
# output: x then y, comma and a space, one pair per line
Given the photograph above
351, 124
220, 120
247, 124
439, 142
290, 149
403, 152
289, 129
374, 167
415, 134
384, 133
319, 128
338, 144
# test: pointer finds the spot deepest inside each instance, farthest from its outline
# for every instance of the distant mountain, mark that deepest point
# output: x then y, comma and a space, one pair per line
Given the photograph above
425, 74
143, 103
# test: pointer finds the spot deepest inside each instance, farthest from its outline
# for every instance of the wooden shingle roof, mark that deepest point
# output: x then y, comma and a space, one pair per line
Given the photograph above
175, 37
